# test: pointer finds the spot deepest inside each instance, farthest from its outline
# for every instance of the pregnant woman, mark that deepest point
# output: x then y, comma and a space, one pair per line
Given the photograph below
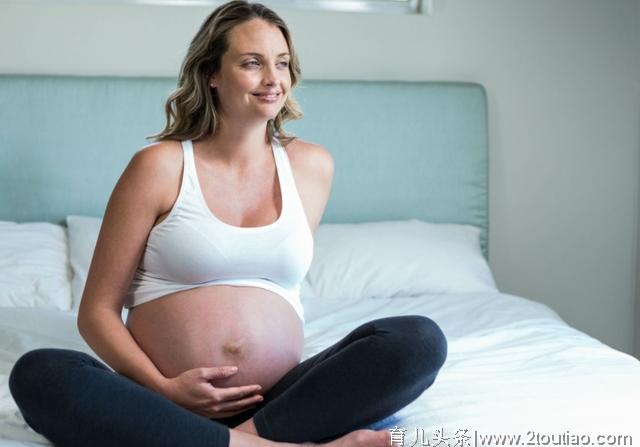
206, 239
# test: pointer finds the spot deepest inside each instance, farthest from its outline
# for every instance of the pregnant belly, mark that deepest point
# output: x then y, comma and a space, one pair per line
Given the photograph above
251, 328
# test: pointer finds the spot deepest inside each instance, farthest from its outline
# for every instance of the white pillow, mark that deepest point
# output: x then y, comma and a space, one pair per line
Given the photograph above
34, 267
83, 234
398, 258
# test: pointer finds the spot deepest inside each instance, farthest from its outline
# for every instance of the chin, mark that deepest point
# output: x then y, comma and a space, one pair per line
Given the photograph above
271, 116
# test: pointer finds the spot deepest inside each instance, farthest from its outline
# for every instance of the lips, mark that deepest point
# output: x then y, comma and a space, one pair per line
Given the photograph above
269, 96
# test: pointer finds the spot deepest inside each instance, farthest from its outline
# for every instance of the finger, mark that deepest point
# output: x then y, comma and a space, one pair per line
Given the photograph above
237, 392
228, 395
219, 372
243, 404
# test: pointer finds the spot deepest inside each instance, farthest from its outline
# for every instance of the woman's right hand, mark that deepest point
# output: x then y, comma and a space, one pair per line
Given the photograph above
193, 390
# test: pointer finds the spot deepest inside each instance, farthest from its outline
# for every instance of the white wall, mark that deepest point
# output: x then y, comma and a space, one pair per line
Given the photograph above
563, 82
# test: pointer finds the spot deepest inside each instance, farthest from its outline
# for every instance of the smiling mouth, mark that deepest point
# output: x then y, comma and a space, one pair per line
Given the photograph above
270, 97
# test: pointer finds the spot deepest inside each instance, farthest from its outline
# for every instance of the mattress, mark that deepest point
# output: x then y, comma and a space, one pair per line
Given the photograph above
516, 373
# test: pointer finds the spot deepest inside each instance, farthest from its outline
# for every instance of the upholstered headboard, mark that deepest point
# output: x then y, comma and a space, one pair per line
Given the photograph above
402, 149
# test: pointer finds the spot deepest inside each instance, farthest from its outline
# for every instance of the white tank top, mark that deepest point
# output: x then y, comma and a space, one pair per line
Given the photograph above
192, 248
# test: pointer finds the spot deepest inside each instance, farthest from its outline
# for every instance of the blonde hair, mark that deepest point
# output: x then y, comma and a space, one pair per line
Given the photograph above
192, 109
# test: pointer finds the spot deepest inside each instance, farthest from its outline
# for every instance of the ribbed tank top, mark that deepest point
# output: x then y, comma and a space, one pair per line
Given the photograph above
192, 248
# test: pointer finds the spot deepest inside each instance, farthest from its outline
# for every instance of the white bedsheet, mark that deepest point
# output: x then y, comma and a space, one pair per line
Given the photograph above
513, 368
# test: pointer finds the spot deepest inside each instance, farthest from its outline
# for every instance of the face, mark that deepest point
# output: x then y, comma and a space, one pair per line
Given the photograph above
254, 79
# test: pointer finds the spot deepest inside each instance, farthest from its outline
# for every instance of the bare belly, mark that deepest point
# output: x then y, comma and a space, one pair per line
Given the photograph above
248, 327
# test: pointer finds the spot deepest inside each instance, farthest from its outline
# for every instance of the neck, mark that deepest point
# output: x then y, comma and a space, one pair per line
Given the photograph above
238, 146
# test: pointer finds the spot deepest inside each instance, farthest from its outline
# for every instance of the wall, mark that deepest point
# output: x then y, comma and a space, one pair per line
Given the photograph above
563, 82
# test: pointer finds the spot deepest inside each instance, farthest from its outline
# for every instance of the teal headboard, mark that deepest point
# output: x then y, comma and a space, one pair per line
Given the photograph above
402, 149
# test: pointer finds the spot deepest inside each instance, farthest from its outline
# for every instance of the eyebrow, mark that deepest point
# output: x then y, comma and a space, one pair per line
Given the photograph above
260, 55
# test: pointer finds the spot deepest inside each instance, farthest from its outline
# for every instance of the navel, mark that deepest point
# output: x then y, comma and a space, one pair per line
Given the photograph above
234, 348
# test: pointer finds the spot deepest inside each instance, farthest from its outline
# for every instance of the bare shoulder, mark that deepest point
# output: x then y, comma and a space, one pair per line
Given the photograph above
159, 156
158, 166
308, 156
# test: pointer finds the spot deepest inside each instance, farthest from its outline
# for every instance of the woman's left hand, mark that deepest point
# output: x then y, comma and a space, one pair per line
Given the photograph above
194, 391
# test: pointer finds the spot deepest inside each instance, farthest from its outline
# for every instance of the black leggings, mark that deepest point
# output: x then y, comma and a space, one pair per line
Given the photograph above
380, 367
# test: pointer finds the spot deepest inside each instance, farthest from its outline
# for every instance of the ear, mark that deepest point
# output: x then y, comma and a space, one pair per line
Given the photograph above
212, 81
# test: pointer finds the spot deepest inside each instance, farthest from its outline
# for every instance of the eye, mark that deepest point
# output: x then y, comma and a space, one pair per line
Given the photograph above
250, 63
284, 64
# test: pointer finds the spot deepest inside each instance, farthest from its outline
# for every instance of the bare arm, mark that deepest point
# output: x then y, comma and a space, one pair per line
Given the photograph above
147, 188
315, 164
133, 207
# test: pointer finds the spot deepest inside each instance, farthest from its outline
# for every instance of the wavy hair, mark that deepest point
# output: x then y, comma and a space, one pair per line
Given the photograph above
192, 110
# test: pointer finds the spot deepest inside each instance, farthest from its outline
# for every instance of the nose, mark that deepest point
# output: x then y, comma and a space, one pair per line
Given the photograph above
270, 75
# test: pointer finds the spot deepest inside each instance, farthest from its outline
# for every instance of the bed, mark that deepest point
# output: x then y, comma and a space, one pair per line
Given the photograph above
405, 232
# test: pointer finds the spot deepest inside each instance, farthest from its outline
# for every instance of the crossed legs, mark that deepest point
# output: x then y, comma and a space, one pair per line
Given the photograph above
378, 368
